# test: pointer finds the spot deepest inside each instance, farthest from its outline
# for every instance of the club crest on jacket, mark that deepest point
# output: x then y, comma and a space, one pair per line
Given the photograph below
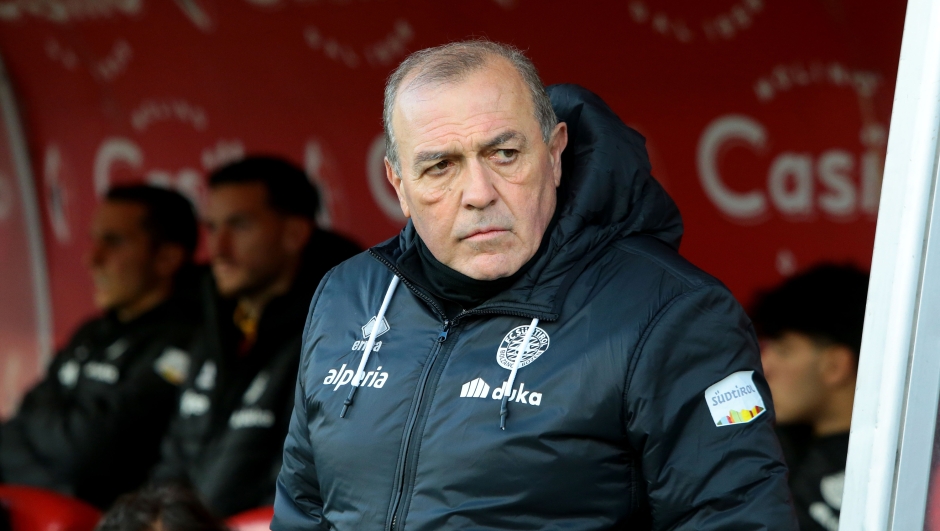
512, 343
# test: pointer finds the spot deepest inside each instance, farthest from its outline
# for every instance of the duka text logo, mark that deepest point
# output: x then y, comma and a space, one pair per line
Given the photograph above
477, 388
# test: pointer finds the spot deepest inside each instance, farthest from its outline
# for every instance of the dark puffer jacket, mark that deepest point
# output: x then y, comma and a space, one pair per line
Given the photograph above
638, 404
92, 427
226, 437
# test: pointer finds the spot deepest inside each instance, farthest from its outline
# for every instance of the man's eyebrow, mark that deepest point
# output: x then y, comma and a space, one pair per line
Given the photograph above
502, 138
424, 157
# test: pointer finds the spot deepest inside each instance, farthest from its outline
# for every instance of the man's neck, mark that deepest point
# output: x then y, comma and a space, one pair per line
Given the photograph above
254, 304
143, 304
836, 417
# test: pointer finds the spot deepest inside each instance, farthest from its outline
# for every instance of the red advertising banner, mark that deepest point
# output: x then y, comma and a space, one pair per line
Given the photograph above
766, 120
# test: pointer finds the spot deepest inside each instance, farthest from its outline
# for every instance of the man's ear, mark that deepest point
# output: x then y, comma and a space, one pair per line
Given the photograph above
168, 259
556, 145
839, 366
297, 231
395, 181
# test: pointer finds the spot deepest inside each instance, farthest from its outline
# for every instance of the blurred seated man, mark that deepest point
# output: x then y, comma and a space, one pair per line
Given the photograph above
811, 331
268, 257
164, 508
92, 427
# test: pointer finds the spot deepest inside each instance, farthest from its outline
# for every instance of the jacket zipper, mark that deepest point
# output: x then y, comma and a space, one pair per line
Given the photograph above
414, 289
413, 422
422, 383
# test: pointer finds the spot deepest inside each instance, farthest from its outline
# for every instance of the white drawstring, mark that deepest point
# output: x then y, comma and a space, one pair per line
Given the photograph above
360, 372
520, 351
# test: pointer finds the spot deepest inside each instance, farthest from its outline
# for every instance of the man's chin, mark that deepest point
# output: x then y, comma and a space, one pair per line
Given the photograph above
229, 291
229, 285
488, 268
104, 302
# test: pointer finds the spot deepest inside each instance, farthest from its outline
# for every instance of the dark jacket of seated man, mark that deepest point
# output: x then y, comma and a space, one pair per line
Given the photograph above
92, 427
538, 354
227, 435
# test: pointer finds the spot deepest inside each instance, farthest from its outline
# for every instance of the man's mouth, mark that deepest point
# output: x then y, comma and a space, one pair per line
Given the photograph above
225, 265
485, 233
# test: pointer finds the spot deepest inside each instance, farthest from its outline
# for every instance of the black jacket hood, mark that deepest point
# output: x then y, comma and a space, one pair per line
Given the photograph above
607, 193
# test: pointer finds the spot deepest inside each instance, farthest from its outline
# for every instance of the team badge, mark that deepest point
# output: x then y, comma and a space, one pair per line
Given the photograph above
173, 365
512, 344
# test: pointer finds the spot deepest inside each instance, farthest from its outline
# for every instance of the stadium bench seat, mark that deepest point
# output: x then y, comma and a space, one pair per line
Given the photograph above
252, 520
33, 509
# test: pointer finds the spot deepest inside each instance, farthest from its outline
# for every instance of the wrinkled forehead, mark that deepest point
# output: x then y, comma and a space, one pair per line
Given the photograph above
491, 96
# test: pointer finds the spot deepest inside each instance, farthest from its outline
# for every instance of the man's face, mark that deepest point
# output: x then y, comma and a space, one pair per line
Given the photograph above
477, 179
246, 239
122, 255
794, 368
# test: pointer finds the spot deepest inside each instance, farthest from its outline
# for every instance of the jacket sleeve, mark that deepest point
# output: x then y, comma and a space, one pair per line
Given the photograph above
298, 505
73, 433
701, 475
176, 451
297, 501
173, 465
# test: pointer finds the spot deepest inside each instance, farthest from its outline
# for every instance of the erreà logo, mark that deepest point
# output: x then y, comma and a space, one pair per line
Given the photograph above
360, 345
477, 388
367, 328
735, 399
512, 344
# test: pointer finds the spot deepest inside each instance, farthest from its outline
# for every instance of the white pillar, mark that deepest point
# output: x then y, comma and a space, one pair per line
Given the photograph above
896, 289
31, 217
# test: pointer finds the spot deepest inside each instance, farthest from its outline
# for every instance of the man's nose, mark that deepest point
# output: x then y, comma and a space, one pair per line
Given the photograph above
479, 192
94, 256
218, 243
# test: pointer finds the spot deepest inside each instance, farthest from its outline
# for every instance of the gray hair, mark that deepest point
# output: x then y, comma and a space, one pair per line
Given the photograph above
452, 62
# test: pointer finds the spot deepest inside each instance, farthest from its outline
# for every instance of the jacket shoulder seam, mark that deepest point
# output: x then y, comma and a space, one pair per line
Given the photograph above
304, 359
690, 281
641, 344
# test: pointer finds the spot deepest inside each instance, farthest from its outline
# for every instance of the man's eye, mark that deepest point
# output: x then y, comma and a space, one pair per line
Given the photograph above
439, 168
506, 155
112, 241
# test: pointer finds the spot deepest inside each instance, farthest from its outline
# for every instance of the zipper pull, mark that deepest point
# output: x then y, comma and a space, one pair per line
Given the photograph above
442, 337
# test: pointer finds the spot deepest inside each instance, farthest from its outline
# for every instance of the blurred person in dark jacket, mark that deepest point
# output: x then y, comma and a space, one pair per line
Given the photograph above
811, 331
160, 508
267, 257
92, 427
